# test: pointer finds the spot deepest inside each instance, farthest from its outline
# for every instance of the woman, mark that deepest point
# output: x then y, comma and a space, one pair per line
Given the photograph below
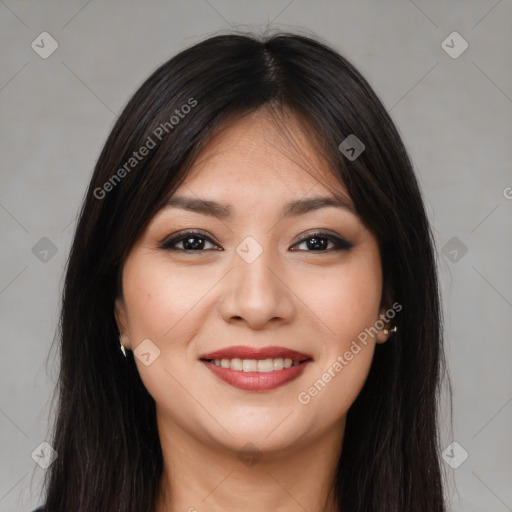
251, 316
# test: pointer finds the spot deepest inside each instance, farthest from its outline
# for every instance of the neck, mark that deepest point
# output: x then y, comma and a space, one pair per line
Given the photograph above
198, 476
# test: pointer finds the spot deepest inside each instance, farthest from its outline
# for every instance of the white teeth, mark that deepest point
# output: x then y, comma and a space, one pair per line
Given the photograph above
236, 364
278, 363
256, 365
250, 365
266, 365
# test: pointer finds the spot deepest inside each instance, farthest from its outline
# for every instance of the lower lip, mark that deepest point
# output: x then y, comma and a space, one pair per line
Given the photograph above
257, 381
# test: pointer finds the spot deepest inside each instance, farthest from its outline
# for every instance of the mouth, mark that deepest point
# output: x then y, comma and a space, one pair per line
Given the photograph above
256, 369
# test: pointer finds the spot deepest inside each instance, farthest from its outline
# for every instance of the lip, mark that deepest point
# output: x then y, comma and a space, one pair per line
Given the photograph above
256, 381
246, 352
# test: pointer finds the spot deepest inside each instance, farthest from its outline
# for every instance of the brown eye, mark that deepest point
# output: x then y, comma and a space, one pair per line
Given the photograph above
319, 242
191, 241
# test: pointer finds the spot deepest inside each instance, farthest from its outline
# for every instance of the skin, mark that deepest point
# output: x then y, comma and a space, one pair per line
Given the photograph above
188, 304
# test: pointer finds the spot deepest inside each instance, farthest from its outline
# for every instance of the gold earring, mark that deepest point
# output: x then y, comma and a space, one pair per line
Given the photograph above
389, 331
121, 338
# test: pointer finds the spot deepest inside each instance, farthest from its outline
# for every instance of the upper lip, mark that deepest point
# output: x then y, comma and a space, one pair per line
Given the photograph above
246, 352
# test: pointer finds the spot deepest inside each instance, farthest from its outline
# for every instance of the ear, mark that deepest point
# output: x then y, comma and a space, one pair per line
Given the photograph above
385, 305
122, 322
382, 337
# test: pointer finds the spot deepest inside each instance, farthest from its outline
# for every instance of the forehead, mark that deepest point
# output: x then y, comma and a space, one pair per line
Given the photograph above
259, 151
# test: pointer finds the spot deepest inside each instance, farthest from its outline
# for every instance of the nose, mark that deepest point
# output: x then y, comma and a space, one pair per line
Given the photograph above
257, 293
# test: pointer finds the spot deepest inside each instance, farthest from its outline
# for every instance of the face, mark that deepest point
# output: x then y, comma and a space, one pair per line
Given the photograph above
246, 297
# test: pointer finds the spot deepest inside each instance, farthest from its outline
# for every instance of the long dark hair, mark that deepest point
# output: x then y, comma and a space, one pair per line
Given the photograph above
109, 455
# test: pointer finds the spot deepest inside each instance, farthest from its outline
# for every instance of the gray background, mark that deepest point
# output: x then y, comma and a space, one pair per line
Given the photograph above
455, 115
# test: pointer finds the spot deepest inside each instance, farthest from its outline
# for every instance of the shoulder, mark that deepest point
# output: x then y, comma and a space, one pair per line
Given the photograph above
39, 509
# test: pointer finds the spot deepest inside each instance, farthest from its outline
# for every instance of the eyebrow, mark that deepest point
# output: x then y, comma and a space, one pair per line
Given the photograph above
224, 211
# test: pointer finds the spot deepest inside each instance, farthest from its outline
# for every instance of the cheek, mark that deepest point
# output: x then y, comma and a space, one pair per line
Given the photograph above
166, 306
334, 389
160, 301
346, 300
162, 305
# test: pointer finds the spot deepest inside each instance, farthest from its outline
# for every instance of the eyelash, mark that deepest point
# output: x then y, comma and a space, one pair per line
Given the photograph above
339, 243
